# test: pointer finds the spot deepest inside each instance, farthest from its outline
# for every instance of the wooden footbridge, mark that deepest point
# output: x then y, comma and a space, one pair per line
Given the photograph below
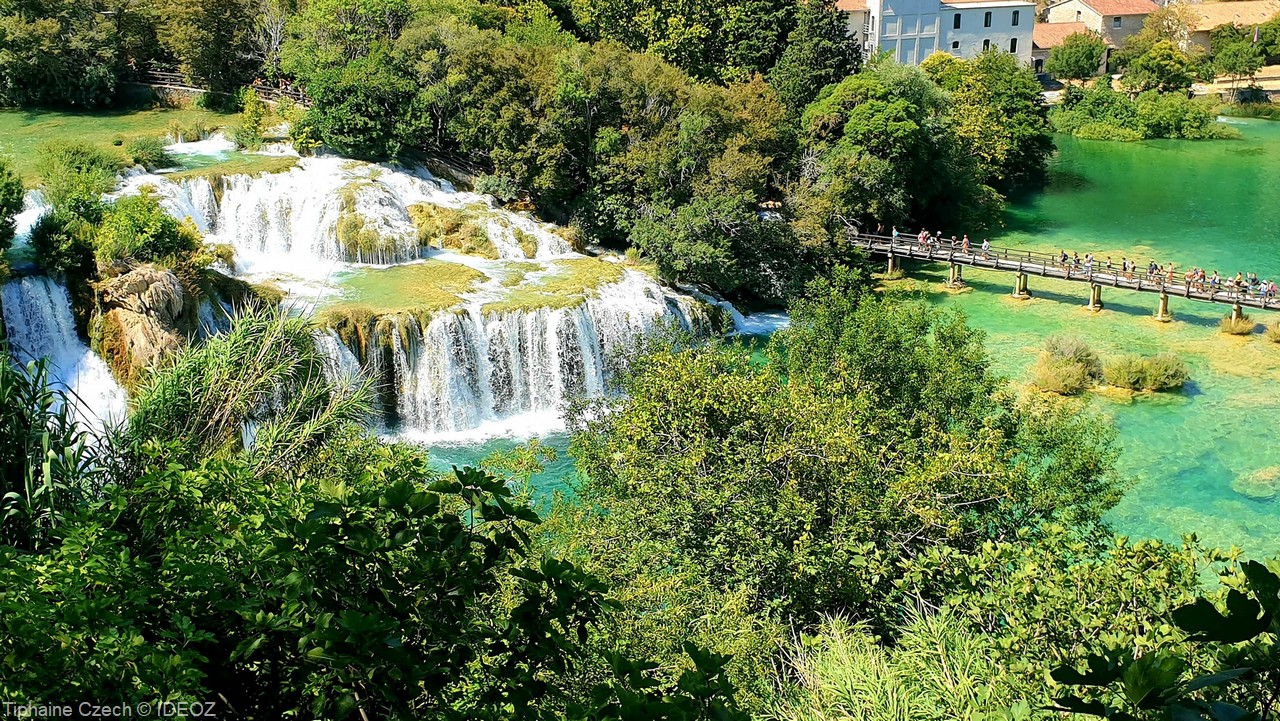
1024, 263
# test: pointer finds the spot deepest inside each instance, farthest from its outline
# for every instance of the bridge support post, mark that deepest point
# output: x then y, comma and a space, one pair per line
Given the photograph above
1162, 314
1237, 313
894, 264
1095, 298
1020, 290
954, 278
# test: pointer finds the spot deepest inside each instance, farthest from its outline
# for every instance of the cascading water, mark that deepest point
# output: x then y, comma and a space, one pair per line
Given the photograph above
511, 370
331, 210
466, 370
39, 324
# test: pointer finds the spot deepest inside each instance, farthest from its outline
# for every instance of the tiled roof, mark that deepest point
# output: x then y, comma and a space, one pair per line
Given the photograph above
1209, 15
850, 6
1122, 7
1051, 35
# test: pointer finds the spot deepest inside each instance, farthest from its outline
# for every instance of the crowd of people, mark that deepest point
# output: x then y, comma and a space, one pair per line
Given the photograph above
1242, 285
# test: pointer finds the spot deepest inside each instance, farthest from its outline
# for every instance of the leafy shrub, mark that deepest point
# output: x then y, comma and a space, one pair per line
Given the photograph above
1126, 371
1165, 371
304, 134
1267, 111
75, 175
11, 195
253, 115
501, 187
1101, 113
1105, 131
136, 228
149, 152
63, 242
1075, 350
1066, 367
1241, 326
188, 132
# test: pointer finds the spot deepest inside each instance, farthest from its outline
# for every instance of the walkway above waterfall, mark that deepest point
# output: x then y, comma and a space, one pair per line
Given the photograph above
1024, 262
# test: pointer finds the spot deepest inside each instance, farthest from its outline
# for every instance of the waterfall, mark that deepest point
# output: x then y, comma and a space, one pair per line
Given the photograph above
332, 210
39, 324
468, 370
33, 207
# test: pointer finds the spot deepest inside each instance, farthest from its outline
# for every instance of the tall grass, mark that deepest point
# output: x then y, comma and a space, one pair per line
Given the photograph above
1066, 366
261, 388
938, 669
48, 463
1165, 371
1243, 325
149, 152
1273, 332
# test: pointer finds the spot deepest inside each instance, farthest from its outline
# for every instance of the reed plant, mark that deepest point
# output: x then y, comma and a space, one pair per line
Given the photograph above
1244, 325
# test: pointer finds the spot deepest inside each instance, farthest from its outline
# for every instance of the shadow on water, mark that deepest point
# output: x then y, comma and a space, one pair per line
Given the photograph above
1131, 306
1064, 181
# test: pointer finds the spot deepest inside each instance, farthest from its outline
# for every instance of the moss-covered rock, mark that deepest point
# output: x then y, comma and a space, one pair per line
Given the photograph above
452, 229
139, 321
563, 284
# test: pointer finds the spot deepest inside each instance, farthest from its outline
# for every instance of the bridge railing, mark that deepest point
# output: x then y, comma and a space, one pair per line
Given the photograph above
178, 81
1051, 264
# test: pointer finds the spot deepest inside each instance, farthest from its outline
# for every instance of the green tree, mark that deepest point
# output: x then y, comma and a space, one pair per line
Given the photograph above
1170, 23
719, 241
1079, 57
61, 52
818, 52
11, 200
885, 151
999, 114
358, 106
715, 41
136, 228
1164, 68
801, 482
211, 39
1239, 60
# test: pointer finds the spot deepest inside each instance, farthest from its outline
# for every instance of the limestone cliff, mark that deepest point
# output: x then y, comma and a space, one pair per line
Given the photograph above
146, 313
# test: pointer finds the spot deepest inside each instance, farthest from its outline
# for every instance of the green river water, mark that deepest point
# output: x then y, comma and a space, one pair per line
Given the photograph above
1214, 204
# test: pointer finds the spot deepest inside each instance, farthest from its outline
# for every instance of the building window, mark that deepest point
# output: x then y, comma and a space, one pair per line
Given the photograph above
1078, 16
1115, 23
1015, 19
955, 44
955, 22
1013, 45
986, 45
986, 19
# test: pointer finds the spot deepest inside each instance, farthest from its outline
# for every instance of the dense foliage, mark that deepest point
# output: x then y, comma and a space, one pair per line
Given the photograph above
188, 559
798, 489
664, 127
11, 201
1100, 113
1079, 57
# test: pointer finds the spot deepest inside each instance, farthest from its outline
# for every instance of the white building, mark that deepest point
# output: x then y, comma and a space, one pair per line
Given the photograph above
912, 30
